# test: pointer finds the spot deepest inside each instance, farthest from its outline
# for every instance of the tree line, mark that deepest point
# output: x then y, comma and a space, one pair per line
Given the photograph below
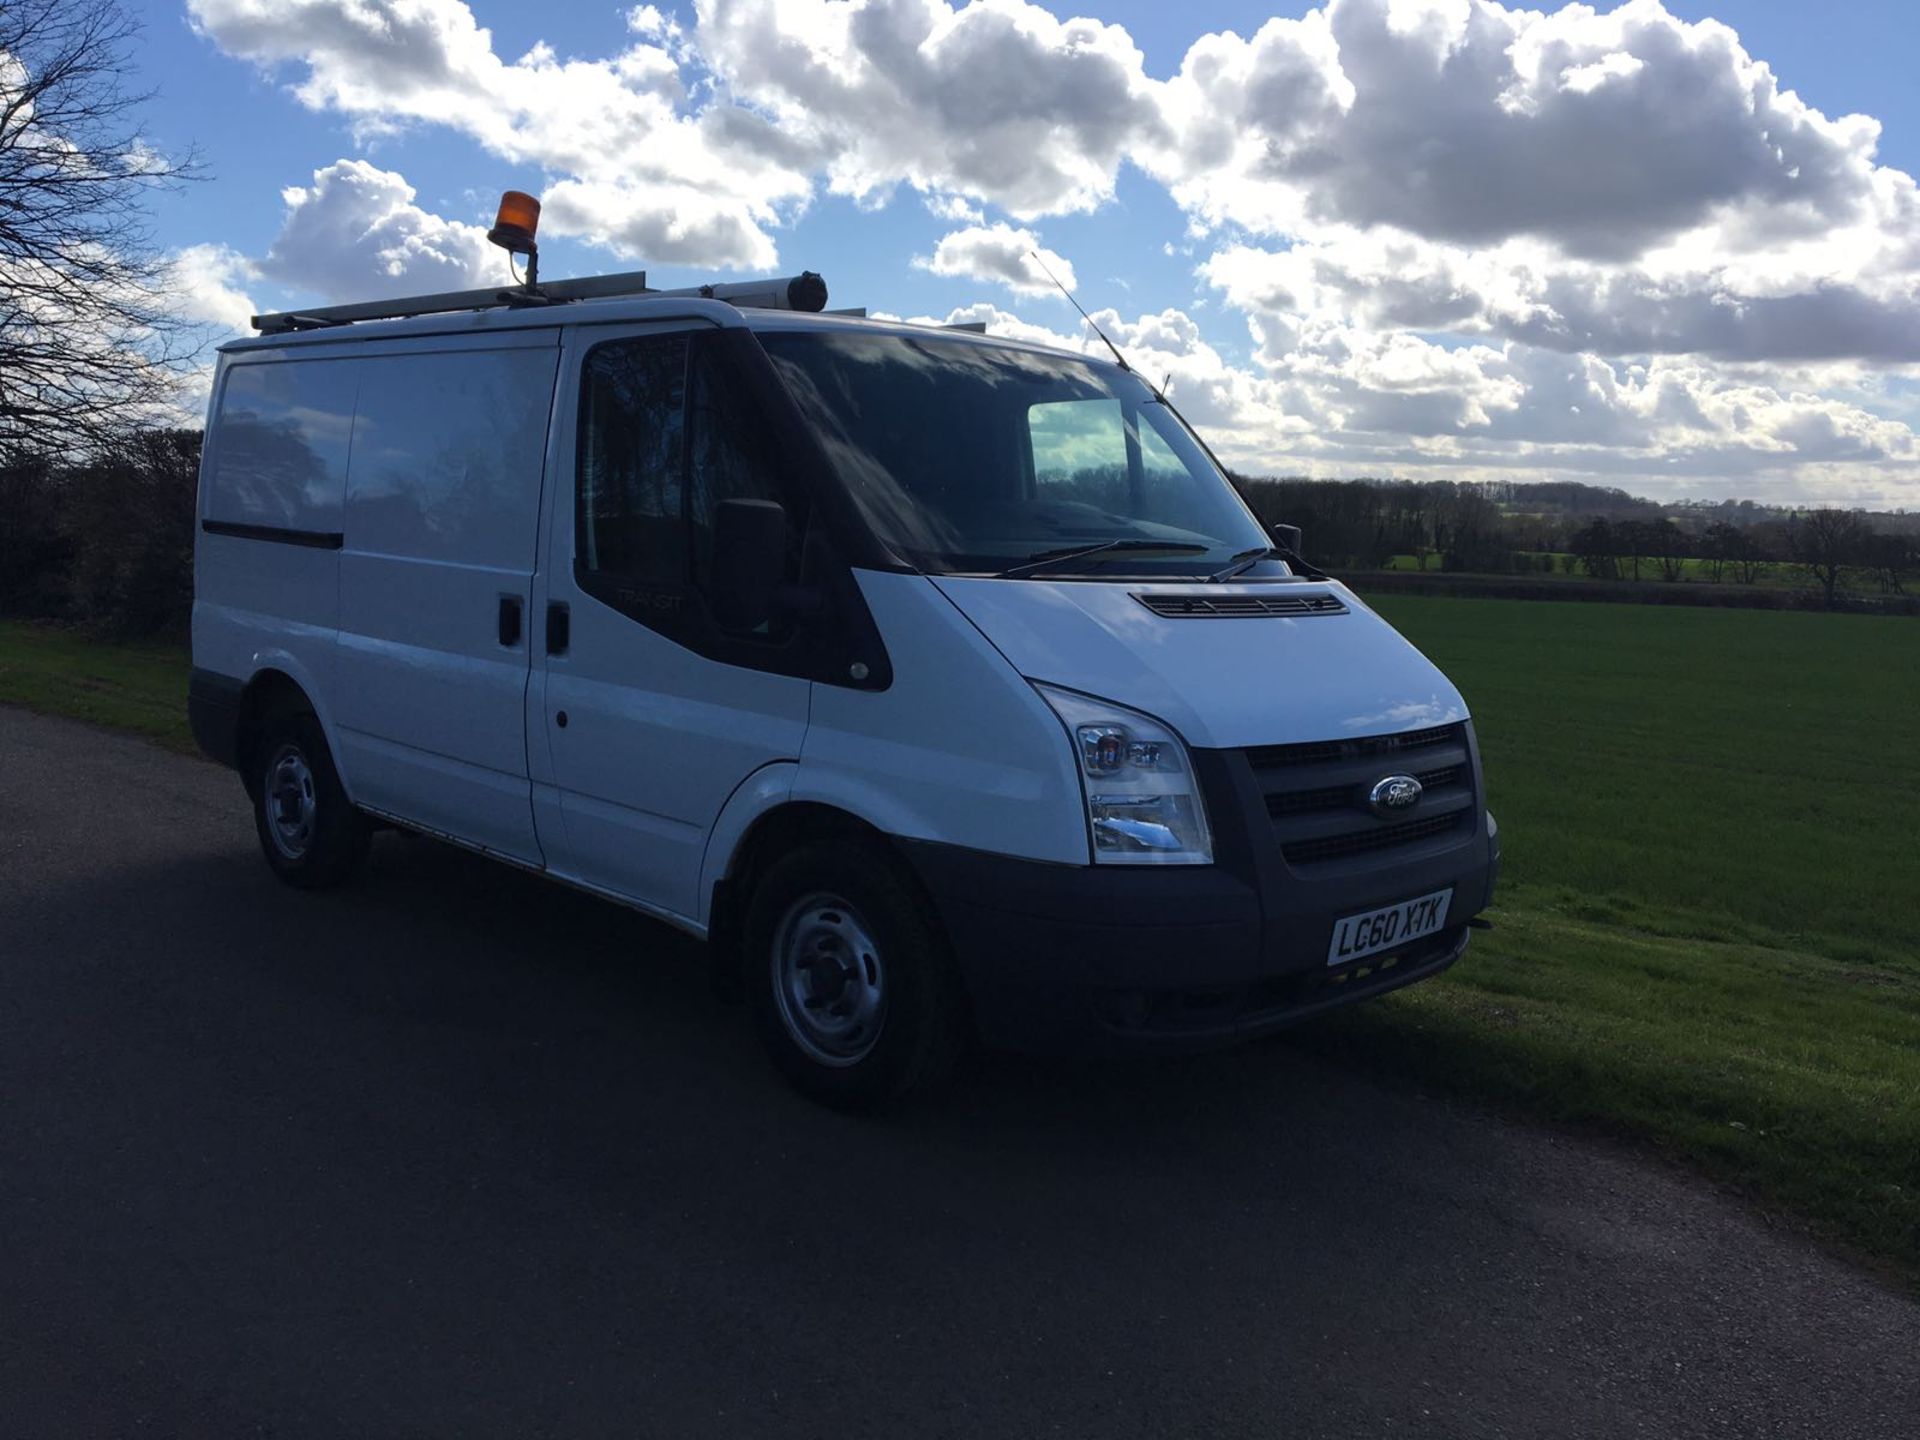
105, 538
104, 541
1601, 533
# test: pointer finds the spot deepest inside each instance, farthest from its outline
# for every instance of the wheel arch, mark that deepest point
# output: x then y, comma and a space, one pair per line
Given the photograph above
776, 830
273, 690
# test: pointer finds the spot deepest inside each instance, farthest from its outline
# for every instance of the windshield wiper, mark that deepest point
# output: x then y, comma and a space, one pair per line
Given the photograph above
1242, 563
1247, 559
1047, 559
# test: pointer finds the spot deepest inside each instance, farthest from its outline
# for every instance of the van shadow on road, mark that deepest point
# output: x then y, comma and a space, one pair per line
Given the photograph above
455, 1149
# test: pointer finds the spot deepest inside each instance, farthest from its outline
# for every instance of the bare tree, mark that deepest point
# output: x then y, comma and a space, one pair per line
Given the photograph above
1892, 558
1828, 543
1668, 544
1595, 547
1758, 548
1719, 547
87, 342
1630, 541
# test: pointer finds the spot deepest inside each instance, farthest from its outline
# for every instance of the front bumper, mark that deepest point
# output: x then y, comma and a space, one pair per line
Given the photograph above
1105, 957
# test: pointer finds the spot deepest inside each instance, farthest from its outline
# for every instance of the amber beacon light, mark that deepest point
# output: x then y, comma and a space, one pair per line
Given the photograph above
514, 227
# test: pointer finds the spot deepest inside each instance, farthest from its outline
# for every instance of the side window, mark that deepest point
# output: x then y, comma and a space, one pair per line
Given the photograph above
447, 450
1079, 452
278, 454
728, 457
629, 497
665, 437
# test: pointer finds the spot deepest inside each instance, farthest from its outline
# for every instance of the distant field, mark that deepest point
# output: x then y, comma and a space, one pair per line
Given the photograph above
1708, 934
1775, 574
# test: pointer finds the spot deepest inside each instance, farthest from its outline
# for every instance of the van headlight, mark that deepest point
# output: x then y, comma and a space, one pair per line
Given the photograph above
1143, 799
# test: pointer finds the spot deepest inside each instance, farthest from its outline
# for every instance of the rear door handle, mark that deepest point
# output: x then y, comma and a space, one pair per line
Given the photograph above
559, 628
509, 620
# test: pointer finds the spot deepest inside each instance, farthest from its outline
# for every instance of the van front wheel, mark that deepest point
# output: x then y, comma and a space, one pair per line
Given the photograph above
311, 833
850, 978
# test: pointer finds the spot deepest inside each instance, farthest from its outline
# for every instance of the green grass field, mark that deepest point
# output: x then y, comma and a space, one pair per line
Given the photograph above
1706, 940
1707, 936
141, 688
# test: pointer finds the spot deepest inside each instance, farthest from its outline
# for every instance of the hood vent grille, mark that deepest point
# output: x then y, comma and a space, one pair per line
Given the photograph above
1194, 606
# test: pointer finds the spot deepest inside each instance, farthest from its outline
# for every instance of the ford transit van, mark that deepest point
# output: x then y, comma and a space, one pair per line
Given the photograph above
942, 682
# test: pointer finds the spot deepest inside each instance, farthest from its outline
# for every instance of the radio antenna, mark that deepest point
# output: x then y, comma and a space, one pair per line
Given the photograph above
1035, 256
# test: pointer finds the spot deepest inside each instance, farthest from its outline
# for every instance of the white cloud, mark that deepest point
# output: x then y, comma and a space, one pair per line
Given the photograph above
1602, 133
637, 168
355, 234
1340, 401
1643, 183
1001, 254
205, 285
648, 21
1007, 325
953, 210
667, 222
998, 101
1459, 237
1668, 303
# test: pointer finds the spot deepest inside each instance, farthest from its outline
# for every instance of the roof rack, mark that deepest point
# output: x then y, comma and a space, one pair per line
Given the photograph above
805, 291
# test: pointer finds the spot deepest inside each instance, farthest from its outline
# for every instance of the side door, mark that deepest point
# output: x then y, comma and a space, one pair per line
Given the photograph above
441, 537
653, 714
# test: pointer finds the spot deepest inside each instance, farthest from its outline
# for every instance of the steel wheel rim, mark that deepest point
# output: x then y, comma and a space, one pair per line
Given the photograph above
829, 981
290, 803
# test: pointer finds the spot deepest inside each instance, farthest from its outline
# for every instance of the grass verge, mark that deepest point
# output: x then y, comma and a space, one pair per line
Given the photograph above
1704, 939
140, 688
1784, 1073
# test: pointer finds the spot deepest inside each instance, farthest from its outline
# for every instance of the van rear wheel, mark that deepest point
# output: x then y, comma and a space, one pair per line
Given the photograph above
852, 985
311, 834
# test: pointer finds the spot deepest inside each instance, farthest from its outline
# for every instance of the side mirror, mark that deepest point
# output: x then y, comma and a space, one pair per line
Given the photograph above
1288, 537
749, 562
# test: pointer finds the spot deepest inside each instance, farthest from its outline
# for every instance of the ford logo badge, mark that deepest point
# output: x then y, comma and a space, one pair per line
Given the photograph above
1393, 795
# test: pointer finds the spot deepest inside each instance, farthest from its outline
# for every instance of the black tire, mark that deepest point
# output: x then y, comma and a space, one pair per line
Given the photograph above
849, 888
293, 771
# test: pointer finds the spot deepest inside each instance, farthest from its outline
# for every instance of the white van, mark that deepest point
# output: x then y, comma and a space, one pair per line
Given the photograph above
942, 681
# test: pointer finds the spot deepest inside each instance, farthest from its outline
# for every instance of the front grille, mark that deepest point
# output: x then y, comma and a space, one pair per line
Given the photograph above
1241, 607
1338, 797
1316, 794
1269, 757
1336, 847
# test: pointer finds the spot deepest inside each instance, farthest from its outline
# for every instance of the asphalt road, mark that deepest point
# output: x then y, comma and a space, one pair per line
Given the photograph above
456, 1152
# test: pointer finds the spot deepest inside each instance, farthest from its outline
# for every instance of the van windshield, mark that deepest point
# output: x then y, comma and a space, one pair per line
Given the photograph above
971, 458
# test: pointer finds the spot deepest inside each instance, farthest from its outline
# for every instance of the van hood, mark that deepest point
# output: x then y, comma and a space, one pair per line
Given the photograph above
1222, 683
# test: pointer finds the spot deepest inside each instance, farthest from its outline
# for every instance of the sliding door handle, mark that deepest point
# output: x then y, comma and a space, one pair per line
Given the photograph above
510, 620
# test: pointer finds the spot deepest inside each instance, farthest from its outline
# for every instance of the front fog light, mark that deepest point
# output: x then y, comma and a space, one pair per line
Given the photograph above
1143, 801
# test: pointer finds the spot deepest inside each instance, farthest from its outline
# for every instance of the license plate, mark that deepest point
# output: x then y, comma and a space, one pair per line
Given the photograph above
1382, 929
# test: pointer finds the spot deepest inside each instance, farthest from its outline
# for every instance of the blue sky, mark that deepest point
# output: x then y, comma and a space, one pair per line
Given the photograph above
1622, 275
257, 139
